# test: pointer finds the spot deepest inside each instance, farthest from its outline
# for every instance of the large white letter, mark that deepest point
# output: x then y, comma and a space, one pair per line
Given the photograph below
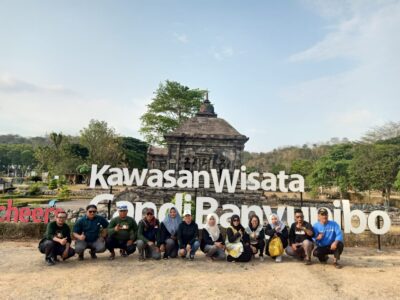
347, 216
201, 212
94, 176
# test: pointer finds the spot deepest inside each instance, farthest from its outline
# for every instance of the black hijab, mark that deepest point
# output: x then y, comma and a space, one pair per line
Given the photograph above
238, 227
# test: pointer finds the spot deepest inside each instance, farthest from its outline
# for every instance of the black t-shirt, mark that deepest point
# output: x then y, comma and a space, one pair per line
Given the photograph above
299, 235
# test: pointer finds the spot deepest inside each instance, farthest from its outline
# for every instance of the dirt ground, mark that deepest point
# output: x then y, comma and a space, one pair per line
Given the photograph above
366, 275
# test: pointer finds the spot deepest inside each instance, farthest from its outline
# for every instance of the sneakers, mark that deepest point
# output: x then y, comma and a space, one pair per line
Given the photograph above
80, 257
307, 262
123, 253
278, 259
50, 261
191, 257
261, 258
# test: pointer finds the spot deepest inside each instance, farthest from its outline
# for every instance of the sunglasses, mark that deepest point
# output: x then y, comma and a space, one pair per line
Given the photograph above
92, 211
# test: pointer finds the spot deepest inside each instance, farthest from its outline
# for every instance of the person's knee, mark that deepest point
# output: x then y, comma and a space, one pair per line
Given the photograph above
130, 249
100, 247
169, 243
196, 245
140, 244
156, 255
48, 244
307, 244
80, 246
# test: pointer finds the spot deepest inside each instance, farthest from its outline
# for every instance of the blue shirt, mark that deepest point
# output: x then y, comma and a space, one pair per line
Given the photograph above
91, 228
331, 231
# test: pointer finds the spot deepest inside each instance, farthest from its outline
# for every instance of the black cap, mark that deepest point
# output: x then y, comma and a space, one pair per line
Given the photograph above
322, 211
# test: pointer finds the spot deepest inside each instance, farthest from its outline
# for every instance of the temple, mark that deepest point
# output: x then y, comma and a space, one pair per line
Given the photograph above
202, 142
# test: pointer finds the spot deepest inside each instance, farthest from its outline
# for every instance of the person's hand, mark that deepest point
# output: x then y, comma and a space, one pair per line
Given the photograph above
129, 242
117, 227
82, 237
150, 243
65, 253
319, 236
294, 247
162, 248
218, 244
333, 246
188, 248
63, 241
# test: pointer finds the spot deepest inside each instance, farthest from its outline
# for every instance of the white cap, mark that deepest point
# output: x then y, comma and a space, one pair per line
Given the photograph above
187, 212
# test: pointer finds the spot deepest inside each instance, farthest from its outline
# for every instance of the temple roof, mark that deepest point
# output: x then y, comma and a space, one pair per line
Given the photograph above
206, 124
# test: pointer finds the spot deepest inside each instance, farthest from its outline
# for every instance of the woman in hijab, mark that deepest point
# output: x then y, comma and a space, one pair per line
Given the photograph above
257, 236
276, 228
237, 242
212, 242
168, 230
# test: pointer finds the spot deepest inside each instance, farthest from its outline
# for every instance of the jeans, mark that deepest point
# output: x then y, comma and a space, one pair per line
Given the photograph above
194, 246
148, 251
171, 248
322, 252
97, 246
112, 243
51, 249
214, 252
303, 251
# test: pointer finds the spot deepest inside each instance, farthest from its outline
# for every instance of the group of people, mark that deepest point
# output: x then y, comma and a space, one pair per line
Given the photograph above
176, 236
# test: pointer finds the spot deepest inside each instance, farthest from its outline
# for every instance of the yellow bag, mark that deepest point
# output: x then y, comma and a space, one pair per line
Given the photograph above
275, 247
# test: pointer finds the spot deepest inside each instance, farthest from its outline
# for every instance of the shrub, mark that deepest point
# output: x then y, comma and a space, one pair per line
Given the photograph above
53, 184
35, 189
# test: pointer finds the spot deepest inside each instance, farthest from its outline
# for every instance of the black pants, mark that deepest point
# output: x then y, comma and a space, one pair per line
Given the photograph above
52, 249
322, 252
112, 243
260, 247
246, 255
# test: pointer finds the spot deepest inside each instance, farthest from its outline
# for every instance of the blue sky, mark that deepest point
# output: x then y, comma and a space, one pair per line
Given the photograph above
281, 72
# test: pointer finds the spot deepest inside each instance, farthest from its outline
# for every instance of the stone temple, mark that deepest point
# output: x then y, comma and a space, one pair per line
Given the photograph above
202, 142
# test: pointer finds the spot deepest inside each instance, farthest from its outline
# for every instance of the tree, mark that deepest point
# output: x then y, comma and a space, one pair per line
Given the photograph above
102, 143
173, 103
134, 152
387, 131
56, 138
332, 169
397, 182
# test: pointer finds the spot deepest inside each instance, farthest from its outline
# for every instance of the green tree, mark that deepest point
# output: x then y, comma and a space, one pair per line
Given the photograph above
397, 182
173, 103
332, 169
102, 143
134, 152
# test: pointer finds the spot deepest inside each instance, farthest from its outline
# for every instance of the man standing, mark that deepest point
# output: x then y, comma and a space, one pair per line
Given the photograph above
328, 237
300, 238
87, 233
148, 236
57, 240
121, 233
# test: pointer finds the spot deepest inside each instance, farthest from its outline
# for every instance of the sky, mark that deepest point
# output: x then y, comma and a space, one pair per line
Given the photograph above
281, 72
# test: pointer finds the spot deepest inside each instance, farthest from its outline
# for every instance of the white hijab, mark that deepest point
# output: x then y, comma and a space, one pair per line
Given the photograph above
213, 231
279, 227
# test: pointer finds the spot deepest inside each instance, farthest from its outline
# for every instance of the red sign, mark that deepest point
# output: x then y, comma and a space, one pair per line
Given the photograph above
23, 214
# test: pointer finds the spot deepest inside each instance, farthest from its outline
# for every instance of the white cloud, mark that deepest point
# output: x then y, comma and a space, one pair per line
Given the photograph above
181, 38
10, 84
35, 111
366, 92
222, 53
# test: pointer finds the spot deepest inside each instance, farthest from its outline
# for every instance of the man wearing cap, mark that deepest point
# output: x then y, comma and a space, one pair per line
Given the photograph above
121, 233
148, 236
87, 233
188, 236
328, 238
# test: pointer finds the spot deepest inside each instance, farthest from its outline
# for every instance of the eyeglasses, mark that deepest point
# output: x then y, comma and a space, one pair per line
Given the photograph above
92, 211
